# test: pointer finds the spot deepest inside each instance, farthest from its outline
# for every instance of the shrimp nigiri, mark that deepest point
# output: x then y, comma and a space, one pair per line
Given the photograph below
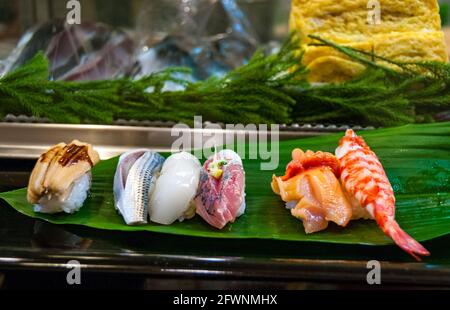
363, 177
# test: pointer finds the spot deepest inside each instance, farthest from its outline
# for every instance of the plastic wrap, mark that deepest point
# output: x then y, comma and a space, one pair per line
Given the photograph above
90, 51
209, 36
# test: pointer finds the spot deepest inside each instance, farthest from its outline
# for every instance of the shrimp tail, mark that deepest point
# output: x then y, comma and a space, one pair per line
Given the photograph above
403, 240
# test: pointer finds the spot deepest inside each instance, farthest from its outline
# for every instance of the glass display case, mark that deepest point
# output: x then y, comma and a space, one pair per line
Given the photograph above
131, 77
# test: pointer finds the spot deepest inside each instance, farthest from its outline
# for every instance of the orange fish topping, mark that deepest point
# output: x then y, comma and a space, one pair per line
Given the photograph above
302, 161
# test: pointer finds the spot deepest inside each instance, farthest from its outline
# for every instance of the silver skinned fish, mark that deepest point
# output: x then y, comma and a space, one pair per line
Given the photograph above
134, 179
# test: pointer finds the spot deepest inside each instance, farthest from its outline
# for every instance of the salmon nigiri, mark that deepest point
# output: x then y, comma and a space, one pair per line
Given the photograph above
312, 191
364, 179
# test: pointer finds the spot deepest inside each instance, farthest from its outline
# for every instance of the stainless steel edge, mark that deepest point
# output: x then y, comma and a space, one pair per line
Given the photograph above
229, 267
28, 141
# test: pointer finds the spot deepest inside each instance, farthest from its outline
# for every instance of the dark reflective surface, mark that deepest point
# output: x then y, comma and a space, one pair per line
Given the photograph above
29, 245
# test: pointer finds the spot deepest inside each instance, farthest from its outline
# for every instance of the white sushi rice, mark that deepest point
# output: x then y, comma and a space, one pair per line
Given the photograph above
70, 203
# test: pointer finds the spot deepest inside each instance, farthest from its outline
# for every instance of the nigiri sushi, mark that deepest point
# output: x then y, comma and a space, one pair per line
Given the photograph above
61, 179
312, 191
221, 194
134, 179
365, 180
175, 189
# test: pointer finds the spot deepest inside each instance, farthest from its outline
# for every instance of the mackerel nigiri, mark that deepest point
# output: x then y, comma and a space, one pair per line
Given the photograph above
221, 194
134, 180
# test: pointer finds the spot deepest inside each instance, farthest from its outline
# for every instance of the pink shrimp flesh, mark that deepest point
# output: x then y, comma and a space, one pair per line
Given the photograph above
364, 178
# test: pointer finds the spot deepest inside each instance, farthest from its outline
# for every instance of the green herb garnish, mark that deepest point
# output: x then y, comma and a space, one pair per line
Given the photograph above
269, 89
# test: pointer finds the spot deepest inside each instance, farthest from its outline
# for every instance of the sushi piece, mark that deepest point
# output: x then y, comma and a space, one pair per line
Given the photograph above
134, 179
312, 191
221, 195
61, 179
175, 189
365, 180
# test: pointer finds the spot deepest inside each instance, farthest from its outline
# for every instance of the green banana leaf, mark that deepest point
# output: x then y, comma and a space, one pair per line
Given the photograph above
416, 159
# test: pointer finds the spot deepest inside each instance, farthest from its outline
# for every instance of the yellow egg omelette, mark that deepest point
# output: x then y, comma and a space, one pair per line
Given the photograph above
405, 31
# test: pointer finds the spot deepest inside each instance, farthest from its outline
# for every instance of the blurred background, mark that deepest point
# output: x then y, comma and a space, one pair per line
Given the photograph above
210, 36
269, 17
137, 37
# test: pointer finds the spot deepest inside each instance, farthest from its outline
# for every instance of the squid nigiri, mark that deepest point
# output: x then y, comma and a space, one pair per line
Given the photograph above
312, 191
221, 194
365, 180
175, 189
61, 179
